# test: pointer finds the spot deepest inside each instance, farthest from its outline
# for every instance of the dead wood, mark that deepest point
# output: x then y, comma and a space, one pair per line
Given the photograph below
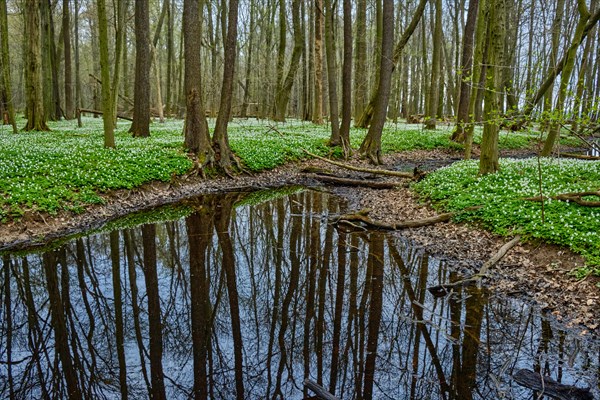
316, 170
319, 390
96, 112
575, 197
442, 290
547, 386
579, 156
126, 99
362, 216
357, 182
400, 174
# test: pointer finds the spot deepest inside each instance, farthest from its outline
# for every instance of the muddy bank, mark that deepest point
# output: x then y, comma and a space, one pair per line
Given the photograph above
532, 270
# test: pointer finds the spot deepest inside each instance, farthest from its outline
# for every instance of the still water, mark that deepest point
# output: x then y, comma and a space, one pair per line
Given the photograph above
245, 296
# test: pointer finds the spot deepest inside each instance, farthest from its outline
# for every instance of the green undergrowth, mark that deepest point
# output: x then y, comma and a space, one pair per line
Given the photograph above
68, 168
504, 211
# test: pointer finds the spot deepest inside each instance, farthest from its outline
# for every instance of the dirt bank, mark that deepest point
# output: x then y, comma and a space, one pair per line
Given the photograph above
535, 271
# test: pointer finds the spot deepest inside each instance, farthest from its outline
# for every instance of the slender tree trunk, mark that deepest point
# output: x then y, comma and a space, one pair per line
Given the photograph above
282, 97
462, 117
347, 80
332, 78
141, 91
34, 112
6, 65
247, 83
77, 63
371, 145
224, 155
360, 73
436, 59
66, 29
565, 77
318, 103
119, 327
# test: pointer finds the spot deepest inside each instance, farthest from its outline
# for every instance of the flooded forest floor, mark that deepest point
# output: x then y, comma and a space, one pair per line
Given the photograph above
533, 271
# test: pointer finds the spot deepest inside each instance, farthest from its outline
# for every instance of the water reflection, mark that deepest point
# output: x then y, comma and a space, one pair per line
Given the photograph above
248, 301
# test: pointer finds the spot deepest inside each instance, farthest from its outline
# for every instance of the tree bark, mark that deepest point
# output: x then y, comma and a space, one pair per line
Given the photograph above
34, 112
347, 80
66, 31
433, 91
6, 65
371, 145
195, 127
318, 54
224, 155
332, 78
141, 91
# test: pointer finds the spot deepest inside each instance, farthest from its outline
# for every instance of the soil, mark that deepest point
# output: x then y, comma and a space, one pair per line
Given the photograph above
537, 272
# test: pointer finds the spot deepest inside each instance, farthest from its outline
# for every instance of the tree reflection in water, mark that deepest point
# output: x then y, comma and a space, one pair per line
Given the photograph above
239, 301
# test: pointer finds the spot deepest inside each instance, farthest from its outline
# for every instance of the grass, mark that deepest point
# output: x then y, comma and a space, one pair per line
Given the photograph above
68, 169
458, 186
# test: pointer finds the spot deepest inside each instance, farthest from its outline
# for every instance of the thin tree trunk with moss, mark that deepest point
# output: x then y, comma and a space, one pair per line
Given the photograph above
496, 34
284, 92
462, 117
107, 106
332, 77
248, 82
347, 80
556, 35
371, 145
318, 61
436, 59
197, 139
565, 77
224, 155
6, 65
478, 72
360, 73
34, 112
66, 31
141, 90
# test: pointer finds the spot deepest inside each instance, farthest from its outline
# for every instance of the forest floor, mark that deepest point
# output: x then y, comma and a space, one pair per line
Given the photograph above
533, 271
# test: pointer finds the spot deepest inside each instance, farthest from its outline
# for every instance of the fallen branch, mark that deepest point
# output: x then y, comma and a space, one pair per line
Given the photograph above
549, 387
579, 156
362, 216
442, 290
366, 170
356, 182
319, 390
575, 197
96, 112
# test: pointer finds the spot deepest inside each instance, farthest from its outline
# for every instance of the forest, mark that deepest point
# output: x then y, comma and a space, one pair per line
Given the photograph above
294, 199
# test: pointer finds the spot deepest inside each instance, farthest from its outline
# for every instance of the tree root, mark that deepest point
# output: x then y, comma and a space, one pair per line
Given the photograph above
442, 290
400, 174
357, 182
575, 197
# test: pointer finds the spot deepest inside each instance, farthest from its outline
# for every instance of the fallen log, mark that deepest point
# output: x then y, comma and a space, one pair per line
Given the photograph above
357, 182
579, 156
443, 289
575, 197
96, 112
386, 172
319, 390
362, 216
547, 386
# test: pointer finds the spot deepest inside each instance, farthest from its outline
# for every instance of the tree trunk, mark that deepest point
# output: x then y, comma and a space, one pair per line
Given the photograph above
5, 59
371, 145
360, 73
224, 155
247, 83
34, 112
66, 29
318, 61
332, 77
488, 162
141, 92
347, 80
565, 77
462, 117
195, 128
436, 59
282, 97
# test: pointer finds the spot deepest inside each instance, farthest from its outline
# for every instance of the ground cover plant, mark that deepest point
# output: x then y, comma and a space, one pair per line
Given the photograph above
505, 211
68, 168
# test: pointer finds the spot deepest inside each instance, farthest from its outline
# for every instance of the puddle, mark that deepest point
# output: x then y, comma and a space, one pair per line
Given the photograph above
246, 297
